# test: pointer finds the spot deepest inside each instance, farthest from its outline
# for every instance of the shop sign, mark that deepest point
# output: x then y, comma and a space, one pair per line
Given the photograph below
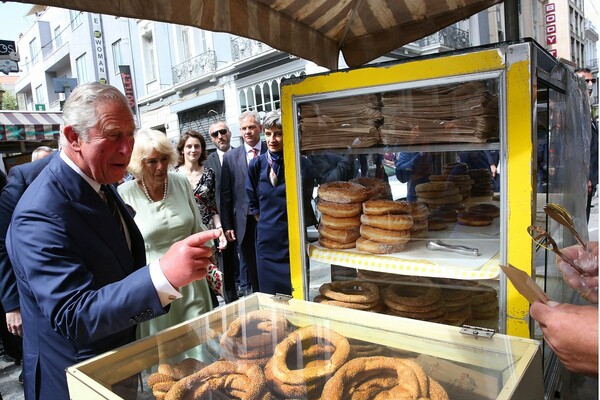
99, 48
551, 37
40, 107
127, 81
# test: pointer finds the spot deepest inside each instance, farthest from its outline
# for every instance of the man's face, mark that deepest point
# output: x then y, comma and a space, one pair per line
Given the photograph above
106, 153
589, 81
220, 136
250, 131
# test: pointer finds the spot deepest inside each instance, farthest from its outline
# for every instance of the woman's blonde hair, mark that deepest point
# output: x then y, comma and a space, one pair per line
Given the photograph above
146, 141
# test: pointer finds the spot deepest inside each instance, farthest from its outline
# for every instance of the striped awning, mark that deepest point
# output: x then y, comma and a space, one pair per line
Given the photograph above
29, 125
316, 30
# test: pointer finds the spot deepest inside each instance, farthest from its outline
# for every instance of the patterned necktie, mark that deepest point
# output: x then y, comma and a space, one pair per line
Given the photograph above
112, 205
254, 152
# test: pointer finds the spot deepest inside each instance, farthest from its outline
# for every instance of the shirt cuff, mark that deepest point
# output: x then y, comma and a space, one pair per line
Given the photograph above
166, 292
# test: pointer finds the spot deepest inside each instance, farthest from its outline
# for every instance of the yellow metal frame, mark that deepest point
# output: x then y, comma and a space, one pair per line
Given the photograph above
519, 117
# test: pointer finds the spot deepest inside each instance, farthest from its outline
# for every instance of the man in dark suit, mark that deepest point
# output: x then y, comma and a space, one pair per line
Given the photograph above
228, 258
19, 178
77, 254
237, 221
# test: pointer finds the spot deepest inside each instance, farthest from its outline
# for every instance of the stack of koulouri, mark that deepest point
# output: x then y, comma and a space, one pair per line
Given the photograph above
463, 183
340, 204
355, 294
484, 307
385, 226
457, 296
420, 214
377, 189
482, 183
416, 298
438, 193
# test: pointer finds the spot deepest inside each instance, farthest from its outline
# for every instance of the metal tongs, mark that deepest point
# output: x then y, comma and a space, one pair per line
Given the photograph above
562, 216
543, 238
438, 245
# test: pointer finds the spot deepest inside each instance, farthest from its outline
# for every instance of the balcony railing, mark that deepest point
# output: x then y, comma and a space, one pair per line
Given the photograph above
195, 67
243, 48
449, 37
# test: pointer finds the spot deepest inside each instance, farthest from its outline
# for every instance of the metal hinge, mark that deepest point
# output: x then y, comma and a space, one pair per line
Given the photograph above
282, 298
477, 331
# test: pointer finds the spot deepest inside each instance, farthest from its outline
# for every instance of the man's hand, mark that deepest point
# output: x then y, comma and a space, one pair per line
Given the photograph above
572, 332
230, 235
187, 260
585, 281
14, 322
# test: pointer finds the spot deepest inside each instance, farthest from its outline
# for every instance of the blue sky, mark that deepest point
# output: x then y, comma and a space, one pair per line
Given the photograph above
14, 20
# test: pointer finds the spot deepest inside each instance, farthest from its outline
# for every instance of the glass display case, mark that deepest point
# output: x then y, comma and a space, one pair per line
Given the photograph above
461, 137
274, 343
484, 137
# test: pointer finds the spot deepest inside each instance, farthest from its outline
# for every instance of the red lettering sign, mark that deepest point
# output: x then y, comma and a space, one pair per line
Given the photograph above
550, 7
550, 29
550, 18
551, 39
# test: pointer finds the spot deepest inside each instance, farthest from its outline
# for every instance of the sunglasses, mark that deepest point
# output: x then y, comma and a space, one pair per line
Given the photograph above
593, 80
223, 132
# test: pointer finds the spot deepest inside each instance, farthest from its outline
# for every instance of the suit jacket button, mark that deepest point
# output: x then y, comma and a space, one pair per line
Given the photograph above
132, 321
149, 312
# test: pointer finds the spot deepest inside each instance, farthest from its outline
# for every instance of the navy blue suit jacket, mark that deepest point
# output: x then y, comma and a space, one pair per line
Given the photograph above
19, 178
82, 290
234, 200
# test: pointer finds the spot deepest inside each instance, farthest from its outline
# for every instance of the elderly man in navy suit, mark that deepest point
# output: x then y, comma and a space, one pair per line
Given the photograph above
237, 221
77, 254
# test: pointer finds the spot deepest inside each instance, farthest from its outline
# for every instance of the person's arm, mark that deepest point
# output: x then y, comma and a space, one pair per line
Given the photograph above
572, 333
412, 166
8, 284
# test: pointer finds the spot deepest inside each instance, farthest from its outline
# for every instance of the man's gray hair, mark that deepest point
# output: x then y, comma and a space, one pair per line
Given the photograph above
36, 154
251, 113
81, 107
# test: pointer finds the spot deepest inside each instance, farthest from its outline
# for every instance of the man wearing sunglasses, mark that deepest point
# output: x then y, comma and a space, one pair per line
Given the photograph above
228, 259
590, 81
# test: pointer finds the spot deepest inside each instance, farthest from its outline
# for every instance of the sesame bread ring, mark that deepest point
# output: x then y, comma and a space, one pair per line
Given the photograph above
384, 235
342, 192
376, 188
182, 369
339, 210
436, 224
351, 291
456, 168
298, 338
412, 295
483, 294
355, 306
446, 214
302, 391
373, 247
455, 198
419, 211
438, 193
390, 222
223, 378
472, 219
434, 187
341, 236
399, 307
340, 223
411, 382
383, 207
418, 226
489, 210
332, 244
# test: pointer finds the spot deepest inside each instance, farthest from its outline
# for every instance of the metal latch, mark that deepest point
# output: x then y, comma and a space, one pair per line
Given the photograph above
477, 331
282, 298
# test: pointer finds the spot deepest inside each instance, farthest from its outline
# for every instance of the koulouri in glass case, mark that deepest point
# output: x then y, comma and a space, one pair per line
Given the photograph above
274, 347
412, 182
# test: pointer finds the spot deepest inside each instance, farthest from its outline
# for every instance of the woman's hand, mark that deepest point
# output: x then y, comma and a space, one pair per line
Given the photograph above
222, 240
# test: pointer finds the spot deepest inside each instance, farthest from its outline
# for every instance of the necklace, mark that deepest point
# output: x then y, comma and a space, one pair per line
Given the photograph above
165, 191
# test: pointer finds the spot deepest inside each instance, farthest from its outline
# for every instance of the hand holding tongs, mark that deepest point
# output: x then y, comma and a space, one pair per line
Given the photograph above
543, 238
562, 216
441, 246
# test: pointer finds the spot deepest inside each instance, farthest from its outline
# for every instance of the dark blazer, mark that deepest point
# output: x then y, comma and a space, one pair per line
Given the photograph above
82, 290
234, 200
213, 162
20, 177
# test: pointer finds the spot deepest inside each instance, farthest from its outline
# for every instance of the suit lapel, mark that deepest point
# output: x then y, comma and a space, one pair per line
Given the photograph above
82, 197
